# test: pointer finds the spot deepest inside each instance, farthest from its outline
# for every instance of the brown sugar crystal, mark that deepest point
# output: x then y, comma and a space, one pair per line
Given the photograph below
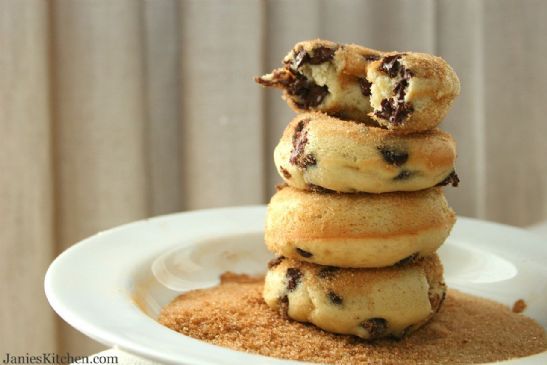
467, 330
519, 306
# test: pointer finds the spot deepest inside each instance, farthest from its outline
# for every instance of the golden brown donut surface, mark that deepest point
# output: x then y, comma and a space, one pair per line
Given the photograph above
320, 151
369, 303
357, 230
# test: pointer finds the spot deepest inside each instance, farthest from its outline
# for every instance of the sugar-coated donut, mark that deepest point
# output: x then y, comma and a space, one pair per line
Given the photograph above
317, 151
369, 303
398, 90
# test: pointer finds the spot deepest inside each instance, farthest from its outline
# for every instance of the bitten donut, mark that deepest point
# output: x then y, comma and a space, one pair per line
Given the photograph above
357, 230
320, 152
405, 91
369, 303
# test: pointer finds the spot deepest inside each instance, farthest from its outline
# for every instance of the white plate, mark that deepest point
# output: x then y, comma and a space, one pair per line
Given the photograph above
105, 288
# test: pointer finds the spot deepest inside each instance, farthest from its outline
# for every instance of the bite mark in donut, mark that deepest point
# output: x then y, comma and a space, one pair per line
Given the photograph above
395, 109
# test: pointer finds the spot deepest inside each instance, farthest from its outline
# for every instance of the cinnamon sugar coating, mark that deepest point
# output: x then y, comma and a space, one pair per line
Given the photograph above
467, 330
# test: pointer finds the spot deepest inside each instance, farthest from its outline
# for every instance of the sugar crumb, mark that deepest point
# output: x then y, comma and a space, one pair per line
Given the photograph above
467, 330
519, 306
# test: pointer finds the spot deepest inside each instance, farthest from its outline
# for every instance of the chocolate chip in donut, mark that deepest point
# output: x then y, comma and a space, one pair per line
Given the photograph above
309, 94
284, 306
293, 276
395, 109
299, 141
319, 189
403, 175
365, 86
393, 156
285, 173
335, 298
408, 260
276, 261
372, 57
303, 253
317, 56
376, 327
391, 65
452, 179
279, 187
327, 272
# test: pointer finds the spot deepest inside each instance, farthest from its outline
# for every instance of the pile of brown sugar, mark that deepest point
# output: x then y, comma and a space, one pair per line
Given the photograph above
466, 330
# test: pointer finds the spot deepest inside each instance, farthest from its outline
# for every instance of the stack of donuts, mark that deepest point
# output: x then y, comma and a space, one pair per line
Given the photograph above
358, 221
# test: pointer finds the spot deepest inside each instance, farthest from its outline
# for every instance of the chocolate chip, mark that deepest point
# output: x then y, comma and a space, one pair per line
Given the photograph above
305, 93
391, 65
452, 178
318, 56
275, 262
376, 327
284, 306
328, 272
403, 175
365, 86
299, 141
335, 298
299, 128
298, 58
280, 78
408, 260
400, 90
372, 57
393, 156
307, 161
319, 189
321, 55
293, 276
303, 253
309, 94
279, 187
285, 173
394, 110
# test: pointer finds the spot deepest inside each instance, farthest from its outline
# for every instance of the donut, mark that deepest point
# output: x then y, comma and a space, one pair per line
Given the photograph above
398, 90
318, 151
368, 303
357, 230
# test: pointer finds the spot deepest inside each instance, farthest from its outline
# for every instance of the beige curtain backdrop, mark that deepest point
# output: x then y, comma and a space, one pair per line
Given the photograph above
112, 111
